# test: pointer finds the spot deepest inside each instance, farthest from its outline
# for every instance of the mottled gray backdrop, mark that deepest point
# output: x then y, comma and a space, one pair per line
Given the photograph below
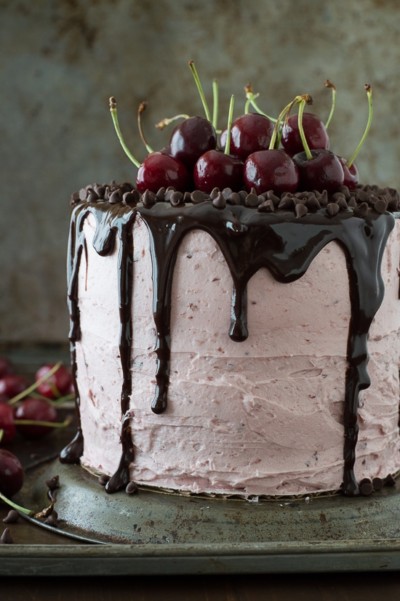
60, 60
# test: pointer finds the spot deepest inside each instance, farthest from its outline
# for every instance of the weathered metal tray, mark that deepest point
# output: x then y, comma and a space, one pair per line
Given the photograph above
154, 533
157, 533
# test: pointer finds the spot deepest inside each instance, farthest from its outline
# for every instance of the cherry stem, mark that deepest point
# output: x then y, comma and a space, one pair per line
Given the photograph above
215, 103
229, 126
35, 385
306, 147
251, 100
15, 506
168, 120
200, 89
114, 116
329, 84
38, 422
353, 157
282, 115
141, 109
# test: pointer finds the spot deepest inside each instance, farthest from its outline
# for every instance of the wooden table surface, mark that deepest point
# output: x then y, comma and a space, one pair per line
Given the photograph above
259, 587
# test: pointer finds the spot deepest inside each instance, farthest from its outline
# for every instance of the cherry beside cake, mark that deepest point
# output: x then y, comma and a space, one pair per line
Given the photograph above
235, 314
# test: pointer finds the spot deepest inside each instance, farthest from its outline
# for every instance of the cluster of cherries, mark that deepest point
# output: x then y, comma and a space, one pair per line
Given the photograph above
255, 152
31, 411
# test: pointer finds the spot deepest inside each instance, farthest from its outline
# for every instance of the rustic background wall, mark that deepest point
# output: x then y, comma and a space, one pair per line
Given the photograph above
60, 60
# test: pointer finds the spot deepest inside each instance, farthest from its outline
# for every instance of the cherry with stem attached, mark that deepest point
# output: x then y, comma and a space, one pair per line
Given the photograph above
319, 168
217, 169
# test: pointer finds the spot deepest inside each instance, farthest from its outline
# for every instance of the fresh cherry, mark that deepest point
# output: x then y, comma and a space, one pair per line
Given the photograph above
32, 410
250, 132
7, 425
351, 176
215, 169
160, 170
11, 385
323, 171
11, 473
271, 169
192, 138
314, 129
56, 385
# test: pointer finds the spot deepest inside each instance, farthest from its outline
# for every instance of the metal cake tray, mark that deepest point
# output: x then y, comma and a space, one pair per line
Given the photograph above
160, 533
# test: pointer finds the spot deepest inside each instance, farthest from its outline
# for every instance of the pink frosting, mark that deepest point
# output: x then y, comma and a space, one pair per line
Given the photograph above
259, 417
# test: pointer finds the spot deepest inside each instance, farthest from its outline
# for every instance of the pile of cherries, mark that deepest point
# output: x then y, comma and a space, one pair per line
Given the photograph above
29, 411
255, 152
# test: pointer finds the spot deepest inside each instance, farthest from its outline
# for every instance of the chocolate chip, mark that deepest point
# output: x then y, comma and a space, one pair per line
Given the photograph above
52, 519
6, 538
361, 210
187, 197
148, 199
53, 483
287, 202
197, 197
219, 201
215, 192
389, 480
115, 197
332, 208
300, 209
161, 194
103, 479
131, 488
270, 195
91, 195
312, 203
75, 198
11, 517
234, 199
366, 487
99, 189
130, 198
380, 205
252, 200
226, 193
176, 199
266, 207
323, 198
377, 483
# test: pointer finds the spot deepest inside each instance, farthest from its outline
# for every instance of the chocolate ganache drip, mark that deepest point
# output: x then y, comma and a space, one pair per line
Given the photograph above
263, 232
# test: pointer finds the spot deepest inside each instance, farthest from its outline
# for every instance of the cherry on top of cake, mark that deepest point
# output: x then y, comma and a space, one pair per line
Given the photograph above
256, 152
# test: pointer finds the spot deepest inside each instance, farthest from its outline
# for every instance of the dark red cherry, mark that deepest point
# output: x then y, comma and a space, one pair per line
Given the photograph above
11, 473
192, 138
314, 130
160, 170
215, 169
56, 385
322, 172
7, 424
33, 409
351, 176
11, 385
249, 133
271, 170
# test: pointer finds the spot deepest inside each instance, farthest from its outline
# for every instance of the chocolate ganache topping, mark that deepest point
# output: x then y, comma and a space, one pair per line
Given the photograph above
282, 233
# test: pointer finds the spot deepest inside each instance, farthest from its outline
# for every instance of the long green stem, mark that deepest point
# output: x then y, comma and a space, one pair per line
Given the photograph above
285, 111
168, 120
353, 157
306, 147
35, 385
251, 100
215, 103
200, 89
14, 505
114, 116
229, 126
141, 109
329, 84
38, 422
